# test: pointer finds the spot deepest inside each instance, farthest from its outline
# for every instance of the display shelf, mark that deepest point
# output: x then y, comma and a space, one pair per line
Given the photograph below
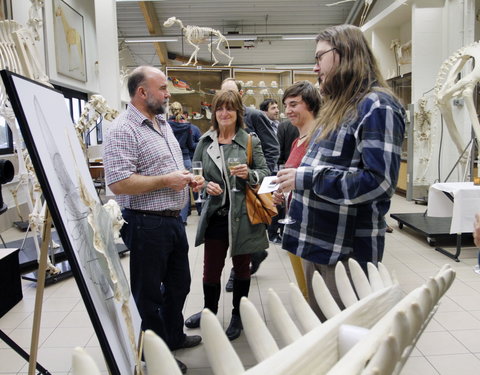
194, 88
300, 75
262, 84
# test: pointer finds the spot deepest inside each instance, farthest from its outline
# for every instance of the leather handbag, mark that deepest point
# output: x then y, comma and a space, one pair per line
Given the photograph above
260, 207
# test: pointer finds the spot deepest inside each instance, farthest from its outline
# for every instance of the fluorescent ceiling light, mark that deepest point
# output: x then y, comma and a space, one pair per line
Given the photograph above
153, 39
240, 37
299, 37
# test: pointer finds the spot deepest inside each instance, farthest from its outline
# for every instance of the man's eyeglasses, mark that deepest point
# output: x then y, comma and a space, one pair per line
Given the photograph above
318, 56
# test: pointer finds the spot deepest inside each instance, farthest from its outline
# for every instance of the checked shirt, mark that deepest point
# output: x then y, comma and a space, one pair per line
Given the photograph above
344, 184
134, 146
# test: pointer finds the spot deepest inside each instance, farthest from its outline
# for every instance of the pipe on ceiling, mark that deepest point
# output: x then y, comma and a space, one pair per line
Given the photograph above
354, 11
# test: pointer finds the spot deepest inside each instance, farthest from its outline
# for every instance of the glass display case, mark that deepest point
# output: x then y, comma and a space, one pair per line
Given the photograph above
260, 84
305, 75
194, 88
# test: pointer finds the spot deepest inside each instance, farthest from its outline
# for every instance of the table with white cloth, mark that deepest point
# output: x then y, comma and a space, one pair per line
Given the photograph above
458, 200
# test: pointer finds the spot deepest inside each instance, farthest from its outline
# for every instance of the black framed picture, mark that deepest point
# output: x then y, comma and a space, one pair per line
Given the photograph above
69, 41
64, 177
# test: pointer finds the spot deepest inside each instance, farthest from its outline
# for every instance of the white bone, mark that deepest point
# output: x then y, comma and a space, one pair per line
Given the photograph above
83, 364
259, 338
220, 353
323, 297
360, 280
305, 315
344, 287
283, 323
158, 357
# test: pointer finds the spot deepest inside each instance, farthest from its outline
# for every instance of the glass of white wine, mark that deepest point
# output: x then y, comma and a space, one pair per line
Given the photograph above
232, 163
287, 219
197, 170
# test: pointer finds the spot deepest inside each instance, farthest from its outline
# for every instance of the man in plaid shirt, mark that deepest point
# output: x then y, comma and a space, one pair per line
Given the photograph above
144, 169
342, 190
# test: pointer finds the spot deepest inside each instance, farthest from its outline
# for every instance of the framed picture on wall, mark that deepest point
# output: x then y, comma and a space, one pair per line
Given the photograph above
69, 41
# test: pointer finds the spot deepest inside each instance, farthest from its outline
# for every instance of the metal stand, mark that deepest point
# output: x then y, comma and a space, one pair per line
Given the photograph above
458, 249
22, 353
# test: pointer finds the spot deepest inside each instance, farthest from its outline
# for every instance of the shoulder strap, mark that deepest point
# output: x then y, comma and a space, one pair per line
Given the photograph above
249, 150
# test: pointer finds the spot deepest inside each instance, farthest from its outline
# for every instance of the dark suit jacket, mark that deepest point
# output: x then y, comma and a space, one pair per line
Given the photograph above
256, 122
286, 134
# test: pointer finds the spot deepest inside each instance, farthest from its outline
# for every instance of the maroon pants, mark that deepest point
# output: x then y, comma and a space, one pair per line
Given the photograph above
216, 246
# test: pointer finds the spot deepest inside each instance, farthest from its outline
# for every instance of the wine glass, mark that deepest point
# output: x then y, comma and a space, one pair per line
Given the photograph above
197, 170
232, 163
287, 219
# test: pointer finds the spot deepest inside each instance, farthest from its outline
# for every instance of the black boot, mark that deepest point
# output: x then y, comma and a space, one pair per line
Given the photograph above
240, 289
211, 295
229, 285
257, 258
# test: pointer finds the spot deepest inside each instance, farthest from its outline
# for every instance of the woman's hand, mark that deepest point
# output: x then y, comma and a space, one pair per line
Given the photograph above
240, 170
286, 180
214, 189
278, 198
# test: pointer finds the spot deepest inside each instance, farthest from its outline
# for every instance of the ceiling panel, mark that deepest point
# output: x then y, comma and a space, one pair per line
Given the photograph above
263, 17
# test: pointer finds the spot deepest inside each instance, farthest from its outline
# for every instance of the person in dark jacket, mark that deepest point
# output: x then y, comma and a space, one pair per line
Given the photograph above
182, 130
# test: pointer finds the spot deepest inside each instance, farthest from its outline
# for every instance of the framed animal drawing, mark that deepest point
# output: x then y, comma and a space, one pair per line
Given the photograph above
69, 41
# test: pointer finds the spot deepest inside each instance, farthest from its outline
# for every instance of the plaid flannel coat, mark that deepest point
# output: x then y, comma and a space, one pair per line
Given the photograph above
344, 185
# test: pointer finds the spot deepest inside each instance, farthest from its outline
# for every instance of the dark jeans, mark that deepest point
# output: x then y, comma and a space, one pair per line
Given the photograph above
158, 260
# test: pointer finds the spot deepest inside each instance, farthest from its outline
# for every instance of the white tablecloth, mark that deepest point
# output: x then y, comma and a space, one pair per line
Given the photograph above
466, 203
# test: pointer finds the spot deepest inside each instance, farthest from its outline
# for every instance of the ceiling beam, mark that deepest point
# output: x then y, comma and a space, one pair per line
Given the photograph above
154, 28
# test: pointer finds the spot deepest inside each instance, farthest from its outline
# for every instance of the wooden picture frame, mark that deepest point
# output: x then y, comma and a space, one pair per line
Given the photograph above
69, 41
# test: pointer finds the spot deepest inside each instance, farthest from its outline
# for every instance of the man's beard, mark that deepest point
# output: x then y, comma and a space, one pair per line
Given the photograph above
155, 107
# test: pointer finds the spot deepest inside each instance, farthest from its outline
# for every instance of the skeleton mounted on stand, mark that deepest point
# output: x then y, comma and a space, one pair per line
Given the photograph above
196, 35
449, 87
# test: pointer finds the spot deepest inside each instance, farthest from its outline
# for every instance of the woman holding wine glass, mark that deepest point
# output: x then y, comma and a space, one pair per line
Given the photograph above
343, 187
224, 224
302, 103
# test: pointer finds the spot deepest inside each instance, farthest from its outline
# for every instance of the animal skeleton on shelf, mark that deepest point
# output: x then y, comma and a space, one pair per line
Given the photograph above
198, 34
447, 87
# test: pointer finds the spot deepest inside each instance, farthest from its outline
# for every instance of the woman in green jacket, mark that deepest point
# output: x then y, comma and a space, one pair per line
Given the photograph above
224, 223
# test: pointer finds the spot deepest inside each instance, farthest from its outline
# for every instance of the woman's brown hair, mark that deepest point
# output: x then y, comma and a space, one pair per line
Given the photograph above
232, 100
356, 74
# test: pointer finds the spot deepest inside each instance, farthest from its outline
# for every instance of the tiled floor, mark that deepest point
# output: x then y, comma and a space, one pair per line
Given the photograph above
450, 344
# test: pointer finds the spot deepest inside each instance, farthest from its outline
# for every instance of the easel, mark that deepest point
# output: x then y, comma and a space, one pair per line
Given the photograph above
37, 314
32, 358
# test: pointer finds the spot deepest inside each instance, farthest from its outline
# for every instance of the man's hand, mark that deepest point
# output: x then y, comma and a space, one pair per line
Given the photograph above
197, 183
214, 189
240, 170
286, 180
179, 179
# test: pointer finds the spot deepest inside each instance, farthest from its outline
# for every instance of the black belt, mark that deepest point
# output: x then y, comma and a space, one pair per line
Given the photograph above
168, 213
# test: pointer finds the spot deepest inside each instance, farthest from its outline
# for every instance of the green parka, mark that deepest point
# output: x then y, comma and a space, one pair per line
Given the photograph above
244, 238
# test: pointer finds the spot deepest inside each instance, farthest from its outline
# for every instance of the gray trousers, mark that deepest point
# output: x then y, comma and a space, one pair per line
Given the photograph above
328, 274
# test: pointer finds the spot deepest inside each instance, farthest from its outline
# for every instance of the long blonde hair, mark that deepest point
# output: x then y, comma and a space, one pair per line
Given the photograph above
177, 111
346, 85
